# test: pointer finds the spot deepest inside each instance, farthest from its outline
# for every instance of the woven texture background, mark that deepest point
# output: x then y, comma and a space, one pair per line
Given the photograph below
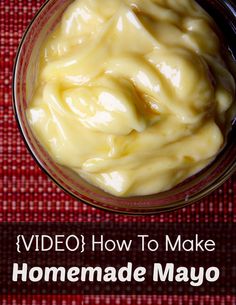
28, 195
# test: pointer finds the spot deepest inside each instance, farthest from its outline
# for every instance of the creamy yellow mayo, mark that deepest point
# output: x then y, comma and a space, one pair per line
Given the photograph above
133, 95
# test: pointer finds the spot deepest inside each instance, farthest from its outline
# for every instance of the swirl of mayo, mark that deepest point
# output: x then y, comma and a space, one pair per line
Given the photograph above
133, 95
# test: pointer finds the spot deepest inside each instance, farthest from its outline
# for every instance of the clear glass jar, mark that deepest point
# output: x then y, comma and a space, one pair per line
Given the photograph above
191, 190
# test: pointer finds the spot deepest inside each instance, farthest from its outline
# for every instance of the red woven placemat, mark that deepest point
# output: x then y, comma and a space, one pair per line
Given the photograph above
28, 195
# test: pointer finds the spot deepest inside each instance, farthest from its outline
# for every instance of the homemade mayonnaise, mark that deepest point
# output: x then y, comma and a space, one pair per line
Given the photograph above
133, 95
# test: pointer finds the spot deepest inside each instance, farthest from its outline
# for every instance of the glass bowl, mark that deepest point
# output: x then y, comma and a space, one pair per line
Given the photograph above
191, 190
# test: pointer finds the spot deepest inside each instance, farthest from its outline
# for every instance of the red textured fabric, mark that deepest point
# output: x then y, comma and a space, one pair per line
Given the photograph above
28, 195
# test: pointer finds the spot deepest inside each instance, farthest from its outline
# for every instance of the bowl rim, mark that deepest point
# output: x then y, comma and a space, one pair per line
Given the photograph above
181, 203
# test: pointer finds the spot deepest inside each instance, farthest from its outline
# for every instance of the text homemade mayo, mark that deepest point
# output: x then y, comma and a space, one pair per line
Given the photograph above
133, 95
